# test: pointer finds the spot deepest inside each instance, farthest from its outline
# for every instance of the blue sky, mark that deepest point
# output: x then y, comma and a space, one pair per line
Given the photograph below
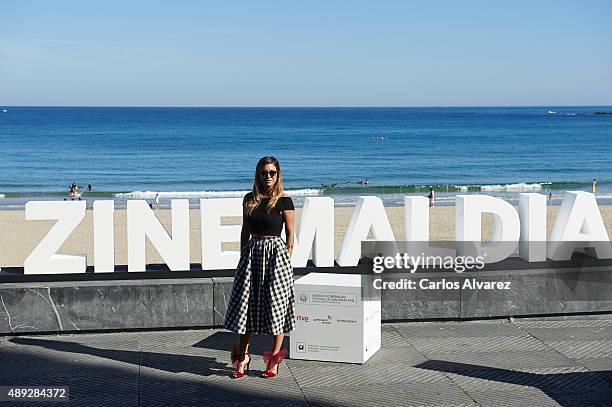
311, 53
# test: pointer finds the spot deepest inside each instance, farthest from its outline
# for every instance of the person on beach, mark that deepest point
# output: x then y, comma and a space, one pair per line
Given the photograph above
431, 196
594, 186
89, 186
263, 294
156, 201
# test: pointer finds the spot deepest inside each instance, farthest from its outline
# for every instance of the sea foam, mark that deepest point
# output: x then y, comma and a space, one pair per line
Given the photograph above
204, 194
521, 186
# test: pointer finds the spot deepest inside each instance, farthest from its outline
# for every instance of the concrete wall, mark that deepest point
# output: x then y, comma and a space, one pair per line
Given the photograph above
31, 307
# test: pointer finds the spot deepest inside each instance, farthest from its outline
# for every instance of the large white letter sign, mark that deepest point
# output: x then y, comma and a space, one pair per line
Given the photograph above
104, 237
468, 218
143, 222
214, 234
369, 215
532, 210
43, 259
316, 231
416, 225
579, 225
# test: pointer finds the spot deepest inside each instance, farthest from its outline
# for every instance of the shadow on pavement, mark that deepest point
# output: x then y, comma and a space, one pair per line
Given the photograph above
567, 389
95, 383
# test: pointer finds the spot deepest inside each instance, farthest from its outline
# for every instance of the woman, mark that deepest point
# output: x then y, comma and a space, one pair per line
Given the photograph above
262, 298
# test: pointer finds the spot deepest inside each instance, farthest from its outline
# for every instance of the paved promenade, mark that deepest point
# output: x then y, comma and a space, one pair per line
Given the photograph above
525, 362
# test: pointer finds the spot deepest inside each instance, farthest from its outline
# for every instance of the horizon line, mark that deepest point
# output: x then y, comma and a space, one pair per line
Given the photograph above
302, 107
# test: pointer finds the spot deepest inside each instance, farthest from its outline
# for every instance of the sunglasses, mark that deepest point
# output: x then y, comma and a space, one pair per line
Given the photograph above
264, 174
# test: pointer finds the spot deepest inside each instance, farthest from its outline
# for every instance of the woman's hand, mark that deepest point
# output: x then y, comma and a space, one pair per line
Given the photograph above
288, 215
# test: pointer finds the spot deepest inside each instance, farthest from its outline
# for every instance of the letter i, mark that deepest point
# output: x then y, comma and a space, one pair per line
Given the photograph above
104, 237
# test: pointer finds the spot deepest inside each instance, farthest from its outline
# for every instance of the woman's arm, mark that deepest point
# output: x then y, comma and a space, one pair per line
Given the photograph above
288, 215
245, 233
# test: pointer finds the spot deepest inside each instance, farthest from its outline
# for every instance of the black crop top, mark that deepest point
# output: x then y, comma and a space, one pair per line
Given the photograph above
263, 223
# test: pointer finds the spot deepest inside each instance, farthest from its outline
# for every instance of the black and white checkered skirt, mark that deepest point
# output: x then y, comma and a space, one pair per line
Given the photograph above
263, 295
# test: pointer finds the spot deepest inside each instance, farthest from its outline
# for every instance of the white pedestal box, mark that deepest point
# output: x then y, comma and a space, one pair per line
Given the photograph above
337, 318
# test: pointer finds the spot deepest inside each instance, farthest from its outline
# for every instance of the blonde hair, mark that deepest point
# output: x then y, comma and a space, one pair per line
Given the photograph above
259, 187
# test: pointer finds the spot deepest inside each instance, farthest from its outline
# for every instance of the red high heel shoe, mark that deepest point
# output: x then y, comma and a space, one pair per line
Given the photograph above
272, 361
237, 358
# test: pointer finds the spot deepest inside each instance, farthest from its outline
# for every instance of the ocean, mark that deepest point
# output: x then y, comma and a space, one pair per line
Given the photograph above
134, 153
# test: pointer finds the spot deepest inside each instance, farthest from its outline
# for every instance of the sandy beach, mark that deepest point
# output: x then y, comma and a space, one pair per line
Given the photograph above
20, 237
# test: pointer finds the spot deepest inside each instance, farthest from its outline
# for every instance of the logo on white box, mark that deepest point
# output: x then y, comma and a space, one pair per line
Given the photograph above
301, 347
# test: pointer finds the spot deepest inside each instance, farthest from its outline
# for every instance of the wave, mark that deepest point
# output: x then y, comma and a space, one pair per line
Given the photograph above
451, 188
521, 186
341, 189
204, 194
61, 194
